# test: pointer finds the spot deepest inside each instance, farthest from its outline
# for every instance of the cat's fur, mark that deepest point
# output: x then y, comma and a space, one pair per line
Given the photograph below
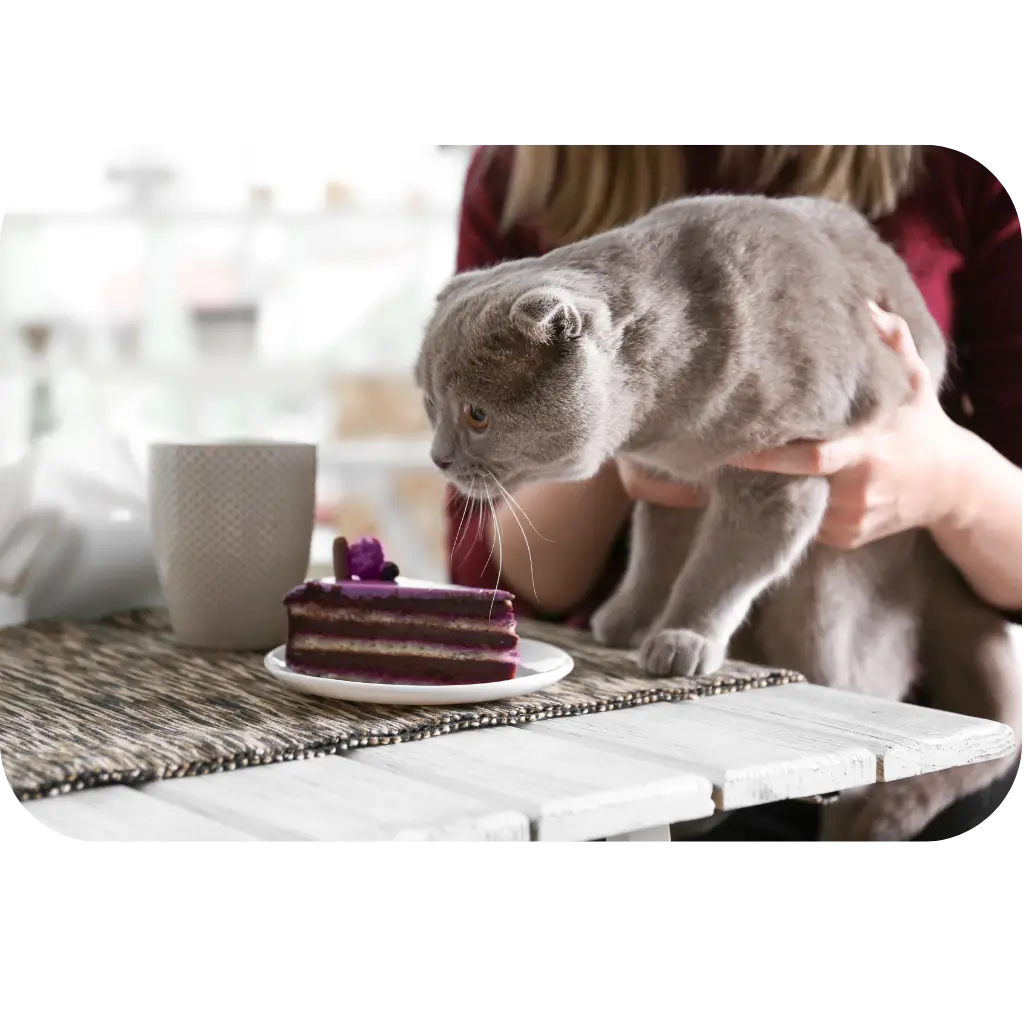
711, 328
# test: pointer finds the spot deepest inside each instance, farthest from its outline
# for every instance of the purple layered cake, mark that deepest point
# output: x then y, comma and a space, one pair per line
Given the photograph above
369, 623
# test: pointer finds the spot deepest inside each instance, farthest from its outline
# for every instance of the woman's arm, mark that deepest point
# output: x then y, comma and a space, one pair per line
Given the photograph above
582, 520
919, 469
556, 539
981, 534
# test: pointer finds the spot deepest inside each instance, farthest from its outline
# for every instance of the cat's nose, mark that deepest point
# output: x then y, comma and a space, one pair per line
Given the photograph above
442, 464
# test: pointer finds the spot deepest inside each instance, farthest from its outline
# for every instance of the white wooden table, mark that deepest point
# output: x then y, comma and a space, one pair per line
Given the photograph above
619, 774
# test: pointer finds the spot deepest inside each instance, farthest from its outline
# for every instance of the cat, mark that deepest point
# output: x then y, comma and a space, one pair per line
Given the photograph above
713, 327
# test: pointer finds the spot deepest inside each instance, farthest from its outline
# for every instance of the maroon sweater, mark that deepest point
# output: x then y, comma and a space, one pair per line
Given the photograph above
958, 233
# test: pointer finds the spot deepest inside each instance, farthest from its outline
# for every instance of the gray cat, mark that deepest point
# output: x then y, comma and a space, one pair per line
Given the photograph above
710, 328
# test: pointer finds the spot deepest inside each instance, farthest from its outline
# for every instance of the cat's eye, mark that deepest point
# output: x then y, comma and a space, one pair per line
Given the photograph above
475, 418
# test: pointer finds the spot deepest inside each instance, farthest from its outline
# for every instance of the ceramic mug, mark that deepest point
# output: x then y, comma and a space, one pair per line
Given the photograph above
232, 525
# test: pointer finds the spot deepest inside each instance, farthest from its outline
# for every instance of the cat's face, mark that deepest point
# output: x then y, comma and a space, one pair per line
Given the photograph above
513, 382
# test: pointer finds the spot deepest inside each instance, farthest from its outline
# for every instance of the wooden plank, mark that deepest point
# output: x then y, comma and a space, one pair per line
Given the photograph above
569, 791
905, 739
336, 798
748, 761
123, 813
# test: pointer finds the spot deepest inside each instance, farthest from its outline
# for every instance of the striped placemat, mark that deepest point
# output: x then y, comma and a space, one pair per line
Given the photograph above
88, 704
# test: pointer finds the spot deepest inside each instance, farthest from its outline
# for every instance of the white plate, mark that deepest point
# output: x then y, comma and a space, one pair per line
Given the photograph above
540, 665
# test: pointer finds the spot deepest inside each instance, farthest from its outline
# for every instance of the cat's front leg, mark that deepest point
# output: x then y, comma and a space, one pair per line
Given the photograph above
756, 527
659, 541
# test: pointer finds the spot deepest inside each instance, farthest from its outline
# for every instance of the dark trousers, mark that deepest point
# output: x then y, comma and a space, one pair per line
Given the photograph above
794, 821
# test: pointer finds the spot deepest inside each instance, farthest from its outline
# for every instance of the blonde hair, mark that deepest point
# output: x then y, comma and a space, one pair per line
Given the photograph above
570, 192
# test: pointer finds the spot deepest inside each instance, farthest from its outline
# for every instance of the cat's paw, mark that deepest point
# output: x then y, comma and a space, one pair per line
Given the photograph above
616, 624
680, 652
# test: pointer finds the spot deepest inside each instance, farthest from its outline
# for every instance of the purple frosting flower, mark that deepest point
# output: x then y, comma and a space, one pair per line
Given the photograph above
366, 558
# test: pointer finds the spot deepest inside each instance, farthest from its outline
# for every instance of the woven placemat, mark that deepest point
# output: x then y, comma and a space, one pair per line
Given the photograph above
88, 704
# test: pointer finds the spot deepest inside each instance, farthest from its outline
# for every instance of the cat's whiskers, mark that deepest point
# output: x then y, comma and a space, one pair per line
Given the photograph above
458, 532
526, 540
509, 497
497, 534
494, 535
479, 522
475, 505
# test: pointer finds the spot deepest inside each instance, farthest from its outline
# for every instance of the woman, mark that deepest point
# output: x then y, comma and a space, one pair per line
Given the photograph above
951, 467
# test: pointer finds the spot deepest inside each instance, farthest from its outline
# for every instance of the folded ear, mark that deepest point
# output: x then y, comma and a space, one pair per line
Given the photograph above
547, 314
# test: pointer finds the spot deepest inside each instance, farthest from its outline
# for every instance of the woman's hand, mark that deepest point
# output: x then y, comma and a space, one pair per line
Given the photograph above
884, 478
888, 476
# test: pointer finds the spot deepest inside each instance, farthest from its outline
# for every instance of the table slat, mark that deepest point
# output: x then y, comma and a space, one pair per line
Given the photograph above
123, 813
748, 761
907, 740
569, 791
336, 798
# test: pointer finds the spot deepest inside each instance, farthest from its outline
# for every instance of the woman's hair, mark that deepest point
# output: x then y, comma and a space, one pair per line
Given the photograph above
571, 192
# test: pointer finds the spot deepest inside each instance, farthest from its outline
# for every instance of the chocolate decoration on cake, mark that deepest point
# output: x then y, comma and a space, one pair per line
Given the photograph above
366, 558
340, 555
362, 560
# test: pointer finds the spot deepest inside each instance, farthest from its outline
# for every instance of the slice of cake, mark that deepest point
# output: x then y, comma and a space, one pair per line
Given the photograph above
368, 623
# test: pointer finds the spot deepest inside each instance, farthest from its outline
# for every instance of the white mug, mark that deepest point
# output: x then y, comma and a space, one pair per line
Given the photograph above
232, 525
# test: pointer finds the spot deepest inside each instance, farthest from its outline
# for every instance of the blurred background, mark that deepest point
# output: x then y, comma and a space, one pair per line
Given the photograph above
175, 293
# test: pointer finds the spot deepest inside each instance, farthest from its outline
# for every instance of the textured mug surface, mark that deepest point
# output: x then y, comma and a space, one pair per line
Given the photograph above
232, 526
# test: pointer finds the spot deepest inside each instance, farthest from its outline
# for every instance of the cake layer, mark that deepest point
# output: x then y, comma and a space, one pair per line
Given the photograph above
422, 616
396, 648
459, 632
391, 668
401, 597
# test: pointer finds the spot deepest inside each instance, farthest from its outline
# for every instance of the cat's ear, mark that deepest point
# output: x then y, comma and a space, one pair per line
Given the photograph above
458, 282
548, 315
